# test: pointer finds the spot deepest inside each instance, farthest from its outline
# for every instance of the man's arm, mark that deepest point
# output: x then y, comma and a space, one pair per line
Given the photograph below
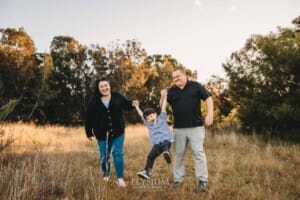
210, 111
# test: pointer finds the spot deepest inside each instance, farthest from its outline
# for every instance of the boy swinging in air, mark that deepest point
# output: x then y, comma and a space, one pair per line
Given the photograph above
159, 134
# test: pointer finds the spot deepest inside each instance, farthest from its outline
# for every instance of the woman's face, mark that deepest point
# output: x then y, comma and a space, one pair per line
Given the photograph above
104, 88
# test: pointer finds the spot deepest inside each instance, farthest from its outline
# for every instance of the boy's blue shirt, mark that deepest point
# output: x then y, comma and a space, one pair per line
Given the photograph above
159, 131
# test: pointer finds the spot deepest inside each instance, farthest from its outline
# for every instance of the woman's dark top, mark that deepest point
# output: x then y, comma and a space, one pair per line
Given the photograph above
101, 121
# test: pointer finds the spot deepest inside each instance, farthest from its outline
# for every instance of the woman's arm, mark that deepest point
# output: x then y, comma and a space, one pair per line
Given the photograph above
126, 103
88, 125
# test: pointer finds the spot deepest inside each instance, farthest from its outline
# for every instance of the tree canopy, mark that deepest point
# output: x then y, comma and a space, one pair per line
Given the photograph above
264, 82
261, 91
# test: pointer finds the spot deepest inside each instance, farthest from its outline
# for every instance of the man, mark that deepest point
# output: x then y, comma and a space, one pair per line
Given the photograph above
185, 99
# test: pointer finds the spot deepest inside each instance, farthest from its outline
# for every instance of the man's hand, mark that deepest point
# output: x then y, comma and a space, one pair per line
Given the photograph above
163, 100
208, 120
164, 93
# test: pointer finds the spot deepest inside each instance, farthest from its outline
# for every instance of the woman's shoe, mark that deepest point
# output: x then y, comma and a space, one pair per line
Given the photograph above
106, 178
121, 183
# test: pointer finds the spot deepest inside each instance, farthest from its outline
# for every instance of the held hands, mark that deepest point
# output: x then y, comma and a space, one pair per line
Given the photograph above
164, 93
135, 103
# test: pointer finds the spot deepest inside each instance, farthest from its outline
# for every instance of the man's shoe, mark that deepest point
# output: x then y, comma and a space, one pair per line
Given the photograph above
143, 174
167, 157
203, 186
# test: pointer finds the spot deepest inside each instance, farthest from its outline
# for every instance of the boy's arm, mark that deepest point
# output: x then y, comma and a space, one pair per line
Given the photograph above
137, 107
163, 100
160, 100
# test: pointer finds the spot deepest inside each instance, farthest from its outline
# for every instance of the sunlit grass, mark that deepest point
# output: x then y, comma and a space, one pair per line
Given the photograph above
55, 162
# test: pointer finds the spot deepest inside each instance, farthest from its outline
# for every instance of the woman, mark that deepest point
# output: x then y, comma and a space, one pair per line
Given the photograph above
106, 122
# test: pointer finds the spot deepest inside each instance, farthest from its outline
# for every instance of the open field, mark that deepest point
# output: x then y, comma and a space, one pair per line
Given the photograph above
54, 162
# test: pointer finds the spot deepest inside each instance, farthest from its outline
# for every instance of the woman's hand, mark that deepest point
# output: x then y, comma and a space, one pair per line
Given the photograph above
135, 103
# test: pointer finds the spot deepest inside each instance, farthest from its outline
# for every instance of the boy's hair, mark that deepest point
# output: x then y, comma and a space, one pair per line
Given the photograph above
148, 111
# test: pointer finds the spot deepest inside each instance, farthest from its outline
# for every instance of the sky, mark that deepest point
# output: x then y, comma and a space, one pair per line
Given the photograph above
200, 34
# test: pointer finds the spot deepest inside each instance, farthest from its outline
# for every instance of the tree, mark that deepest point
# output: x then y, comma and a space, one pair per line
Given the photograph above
119, 63
264, 82
134, 73
296, 22
224, 113
42, 93
123, 65
69, 79
16, 50
19, 75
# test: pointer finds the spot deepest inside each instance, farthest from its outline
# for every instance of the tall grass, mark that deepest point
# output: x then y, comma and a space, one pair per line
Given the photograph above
53, 162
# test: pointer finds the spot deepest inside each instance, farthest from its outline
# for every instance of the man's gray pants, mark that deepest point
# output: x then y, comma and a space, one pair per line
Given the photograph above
195, 136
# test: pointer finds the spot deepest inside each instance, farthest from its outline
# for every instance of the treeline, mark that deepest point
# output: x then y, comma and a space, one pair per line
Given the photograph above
260, 93
264, 82
55, 87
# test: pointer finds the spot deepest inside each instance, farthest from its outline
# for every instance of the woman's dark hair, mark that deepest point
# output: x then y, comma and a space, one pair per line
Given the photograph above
103, 78
148, 111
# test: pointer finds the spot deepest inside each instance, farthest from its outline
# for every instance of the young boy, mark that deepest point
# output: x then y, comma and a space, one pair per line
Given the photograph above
159, 134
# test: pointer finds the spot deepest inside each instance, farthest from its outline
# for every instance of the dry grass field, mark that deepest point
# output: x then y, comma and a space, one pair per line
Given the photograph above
54, 162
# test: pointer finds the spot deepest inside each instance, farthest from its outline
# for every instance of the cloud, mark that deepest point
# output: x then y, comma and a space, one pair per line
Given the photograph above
232, 9
199, 3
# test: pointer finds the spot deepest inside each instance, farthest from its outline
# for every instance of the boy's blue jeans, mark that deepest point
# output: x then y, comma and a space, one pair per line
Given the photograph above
114, 146
156, 150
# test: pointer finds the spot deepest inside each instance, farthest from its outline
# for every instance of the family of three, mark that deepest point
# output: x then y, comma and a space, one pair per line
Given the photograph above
105, 122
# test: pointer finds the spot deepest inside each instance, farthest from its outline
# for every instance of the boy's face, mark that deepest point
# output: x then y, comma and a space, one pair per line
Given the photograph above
151, 118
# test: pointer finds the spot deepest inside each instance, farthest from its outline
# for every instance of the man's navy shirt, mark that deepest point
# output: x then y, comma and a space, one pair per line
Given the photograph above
186, 104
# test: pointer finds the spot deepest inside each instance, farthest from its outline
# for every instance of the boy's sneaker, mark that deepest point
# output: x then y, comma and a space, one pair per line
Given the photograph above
202, 186
143, 174
167, 157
